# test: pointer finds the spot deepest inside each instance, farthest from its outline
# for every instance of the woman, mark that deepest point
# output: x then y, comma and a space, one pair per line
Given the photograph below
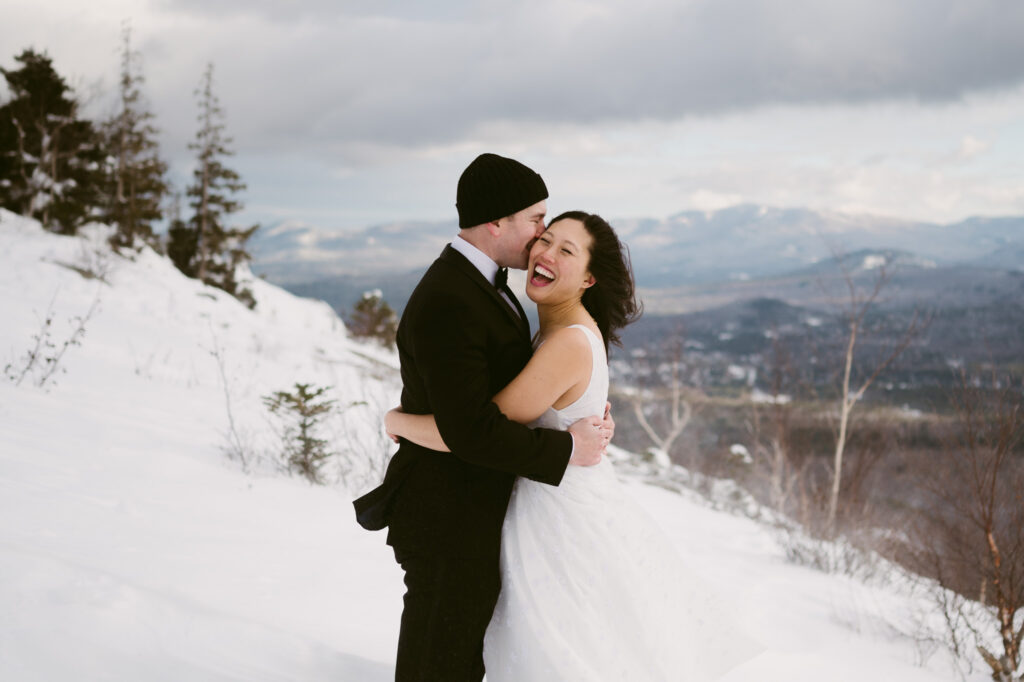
591, 590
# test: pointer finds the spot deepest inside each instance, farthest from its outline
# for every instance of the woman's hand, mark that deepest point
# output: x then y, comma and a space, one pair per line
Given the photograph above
420, 429
390, 426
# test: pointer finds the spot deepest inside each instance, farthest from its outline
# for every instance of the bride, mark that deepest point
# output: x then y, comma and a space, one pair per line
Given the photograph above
591, 589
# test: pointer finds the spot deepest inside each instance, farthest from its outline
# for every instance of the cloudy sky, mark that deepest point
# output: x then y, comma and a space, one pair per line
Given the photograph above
350, 113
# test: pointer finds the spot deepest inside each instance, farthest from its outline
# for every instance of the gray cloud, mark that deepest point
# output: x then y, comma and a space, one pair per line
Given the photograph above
296, 10
352, 112
400, 75
344, 78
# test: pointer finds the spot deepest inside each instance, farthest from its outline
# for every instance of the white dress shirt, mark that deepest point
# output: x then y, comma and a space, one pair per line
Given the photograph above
482, 262
488, 268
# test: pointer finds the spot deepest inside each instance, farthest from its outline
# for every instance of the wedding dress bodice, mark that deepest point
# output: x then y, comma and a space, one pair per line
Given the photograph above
592, 402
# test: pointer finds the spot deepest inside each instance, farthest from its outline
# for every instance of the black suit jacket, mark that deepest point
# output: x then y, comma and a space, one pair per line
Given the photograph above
459, 344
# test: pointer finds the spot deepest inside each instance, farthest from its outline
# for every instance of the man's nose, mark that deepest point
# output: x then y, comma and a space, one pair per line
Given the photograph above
540, 229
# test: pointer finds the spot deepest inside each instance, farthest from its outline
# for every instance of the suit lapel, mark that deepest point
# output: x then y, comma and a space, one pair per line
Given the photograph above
462, 263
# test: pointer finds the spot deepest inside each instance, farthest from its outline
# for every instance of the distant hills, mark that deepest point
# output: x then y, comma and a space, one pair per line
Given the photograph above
293, 252
691, 260
912, 282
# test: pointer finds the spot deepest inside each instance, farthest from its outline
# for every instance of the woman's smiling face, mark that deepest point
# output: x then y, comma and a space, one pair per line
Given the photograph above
559, 262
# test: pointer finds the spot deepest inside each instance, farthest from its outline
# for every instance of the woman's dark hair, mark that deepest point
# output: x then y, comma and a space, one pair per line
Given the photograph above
611, 300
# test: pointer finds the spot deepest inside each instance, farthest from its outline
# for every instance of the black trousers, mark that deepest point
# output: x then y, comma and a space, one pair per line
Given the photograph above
449, 600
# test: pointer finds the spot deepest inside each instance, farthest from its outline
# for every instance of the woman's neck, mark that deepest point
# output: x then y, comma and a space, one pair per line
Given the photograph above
555, 316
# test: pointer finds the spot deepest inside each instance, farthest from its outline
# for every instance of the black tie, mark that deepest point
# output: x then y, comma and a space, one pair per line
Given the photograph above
501, 284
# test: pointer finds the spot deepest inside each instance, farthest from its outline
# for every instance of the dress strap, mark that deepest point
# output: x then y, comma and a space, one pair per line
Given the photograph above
596, 342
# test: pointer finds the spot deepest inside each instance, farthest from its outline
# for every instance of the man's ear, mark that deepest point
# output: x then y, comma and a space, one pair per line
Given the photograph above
494, 228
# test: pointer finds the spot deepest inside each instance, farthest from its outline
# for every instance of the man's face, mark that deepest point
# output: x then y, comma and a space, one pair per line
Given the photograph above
518, 232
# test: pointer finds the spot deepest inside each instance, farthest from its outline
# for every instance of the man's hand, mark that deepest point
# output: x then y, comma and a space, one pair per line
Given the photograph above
590, 437
608, 422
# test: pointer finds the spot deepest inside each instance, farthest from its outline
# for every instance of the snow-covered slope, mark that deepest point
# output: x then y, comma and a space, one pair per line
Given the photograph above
132, 548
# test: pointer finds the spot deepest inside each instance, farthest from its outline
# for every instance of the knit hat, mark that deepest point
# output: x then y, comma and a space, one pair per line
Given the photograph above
494, 187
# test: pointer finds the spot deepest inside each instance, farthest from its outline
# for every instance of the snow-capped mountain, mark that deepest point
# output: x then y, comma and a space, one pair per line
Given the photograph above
741, 242
293, 252
133, 548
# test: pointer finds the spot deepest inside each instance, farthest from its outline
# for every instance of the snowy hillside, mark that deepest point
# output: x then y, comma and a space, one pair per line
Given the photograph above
132, 548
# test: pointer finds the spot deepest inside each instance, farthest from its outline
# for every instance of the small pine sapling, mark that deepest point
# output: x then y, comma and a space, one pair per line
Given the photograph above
302, 411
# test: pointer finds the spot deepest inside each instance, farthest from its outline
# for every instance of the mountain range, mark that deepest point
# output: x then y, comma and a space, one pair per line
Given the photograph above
715, 250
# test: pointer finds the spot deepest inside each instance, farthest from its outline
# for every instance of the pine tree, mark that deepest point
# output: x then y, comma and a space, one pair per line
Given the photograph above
302, 410
136, 182
181, 239
50, 159
373, 318
219, 249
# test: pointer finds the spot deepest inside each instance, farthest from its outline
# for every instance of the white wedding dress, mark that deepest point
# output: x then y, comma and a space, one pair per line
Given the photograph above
592, 590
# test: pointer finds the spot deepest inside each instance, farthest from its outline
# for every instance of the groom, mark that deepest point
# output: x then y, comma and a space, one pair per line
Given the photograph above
462, 338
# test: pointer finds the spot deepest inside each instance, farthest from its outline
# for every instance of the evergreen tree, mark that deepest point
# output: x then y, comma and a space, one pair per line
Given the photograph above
302, 410
136, 184
181, 239
50, 159
220, 249
372, 317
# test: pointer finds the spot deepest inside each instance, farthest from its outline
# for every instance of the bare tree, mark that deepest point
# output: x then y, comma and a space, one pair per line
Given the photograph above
971, 539
237, 443
669, 391
856, 304
44, 357
769, 428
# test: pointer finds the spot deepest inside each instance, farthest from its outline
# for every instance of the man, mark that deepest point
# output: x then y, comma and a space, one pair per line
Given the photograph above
462, 338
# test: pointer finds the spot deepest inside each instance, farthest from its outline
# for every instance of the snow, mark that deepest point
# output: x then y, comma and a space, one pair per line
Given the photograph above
132, 548
740, 373
740, 452
874, 261
763, 397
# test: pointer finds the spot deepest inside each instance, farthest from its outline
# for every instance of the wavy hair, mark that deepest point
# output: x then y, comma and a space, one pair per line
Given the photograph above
611, 300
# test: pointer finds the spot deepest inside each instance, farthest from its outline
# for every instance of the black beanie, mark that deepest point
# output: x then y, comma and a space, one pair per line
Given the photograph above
494, 187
